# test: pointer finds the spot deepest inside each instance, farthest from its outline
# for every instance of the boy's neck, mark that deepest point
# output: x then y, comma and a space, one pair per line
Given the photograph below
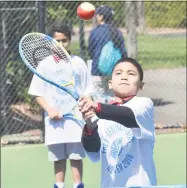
119, 100
102, 23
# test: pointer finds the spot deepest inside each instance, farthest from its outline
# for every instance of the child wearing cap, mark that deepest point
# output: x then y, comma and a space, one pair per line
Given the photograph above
99, 37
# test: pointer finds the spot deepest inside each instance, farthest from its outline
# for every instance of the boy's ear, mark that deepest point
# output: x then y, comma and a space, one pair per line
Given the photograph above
110, 84
102, 17
142, 85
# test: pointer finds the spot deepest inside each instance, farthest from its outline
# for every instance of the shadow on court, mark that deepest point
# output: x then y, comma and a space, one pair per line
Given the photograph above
161, 102
167, 89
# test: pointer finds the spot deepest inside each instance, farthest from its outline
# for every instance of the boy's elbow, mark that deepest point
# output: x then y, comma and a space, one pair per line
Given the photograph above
91, 143
39, 99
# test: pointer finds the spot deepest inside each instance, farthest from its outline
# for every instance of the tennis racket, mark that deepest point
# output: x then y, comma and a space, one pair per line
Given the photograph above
38, 52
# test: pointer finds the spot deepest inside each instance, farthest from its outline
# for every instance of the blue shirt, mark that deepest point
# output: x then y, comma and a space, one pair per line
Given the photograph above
98, 38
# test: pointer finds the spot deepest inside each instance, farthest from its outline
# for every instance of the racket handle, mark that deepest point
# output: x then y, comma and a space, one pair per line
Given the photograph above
91, 120
92, 123
94, 118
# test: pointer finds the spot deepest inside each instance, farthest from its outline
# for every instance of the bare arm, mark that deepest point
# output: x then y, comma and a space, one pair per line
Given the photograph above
53, 114
42, 102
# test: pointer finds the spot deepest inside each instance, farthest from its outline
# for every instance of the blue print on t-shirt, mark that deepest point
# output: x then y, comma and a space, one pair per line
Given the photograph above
115, 147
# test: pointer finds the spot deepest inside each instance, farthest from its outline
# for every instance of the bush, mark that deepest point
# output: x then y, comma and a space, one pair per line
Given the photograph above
19, 78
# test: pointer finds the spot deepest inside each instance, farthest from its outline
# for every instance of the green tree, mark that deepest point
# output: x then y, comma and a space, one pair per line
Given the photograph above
166, 14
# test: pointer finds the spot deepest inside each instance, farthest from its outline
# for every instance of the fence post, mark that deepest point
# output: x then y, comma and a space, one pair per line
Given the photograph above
131, 28
3, 78
82, 42
41, 16
1, 62
41, 29
141, 16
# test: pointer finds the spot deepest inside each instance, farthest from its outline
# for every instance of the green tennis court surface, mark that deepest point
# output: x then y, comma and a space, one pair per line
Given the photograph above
27, 166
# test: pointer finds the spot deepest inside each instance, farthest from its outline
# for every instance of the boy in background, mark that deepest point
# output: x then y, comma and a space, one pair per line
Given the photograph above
62, 136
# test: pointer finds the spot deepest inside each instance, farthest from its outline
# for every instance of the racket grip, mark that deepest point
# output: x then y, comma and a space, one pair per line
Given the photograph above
94, 118
92, 123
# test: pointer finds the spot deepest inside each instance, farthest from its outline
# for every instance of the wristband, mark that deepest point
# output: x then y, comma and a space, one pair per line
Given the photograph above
98, 108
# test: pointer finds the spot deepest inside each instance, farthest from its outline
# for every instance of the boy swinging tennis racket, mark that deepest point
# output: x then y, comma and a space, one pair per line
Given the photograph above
123, 134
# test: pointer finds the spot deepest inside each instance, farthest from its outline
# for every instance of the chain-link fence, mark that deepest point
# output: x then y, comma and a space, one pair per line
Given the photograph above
154, 32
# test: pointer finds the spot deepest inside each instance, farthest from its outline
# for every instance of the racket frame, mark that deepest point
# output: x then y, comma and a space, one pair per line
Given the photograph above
73, 94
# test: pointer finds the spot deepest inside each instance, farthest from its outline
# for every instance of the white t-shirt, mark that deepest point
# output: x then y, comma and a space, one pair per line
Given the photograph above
127, 154
64, 130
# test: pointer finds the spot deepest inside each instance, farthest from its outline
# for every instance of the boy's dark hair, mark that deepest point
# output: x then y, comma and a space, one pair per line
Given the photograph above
132, 61
60, 28
107, 13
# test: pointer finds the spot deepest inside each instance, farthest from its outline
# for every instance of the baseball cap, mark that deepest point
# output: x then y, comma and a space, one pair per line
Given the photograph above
106, 11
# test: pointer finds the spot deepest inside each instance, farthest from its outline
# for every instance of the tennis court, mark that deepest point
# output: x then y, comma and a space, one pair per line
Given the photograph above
27, 166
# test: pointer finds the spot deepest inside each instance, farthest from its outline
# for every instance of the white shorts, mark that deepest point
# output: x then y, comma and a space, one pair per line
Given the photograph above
74, 151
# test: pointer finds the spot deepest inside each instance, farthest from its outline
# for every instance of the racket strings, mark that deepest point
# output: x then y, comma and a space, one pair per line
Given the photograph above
37, 48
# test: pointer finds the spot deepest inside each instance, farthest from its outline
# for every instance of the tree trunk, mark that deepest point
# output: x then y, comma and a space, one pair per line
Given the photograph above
131, 29
94, 22
141, 23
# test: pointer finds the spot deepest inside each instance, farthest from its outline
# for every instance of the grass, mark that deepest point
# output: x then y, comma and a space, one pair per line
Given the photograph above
27, 166
156, 51
162, 52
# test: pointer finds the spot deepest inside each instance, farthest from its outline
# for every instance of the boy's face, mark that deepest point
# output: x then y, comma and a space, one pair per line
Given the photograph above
125, 80
99, 18
62, 39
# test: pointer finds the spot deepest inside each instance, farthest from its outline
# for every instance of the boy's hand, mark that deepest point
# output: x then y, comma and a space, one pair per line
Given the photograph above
86, 104
53, 114
88, 115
